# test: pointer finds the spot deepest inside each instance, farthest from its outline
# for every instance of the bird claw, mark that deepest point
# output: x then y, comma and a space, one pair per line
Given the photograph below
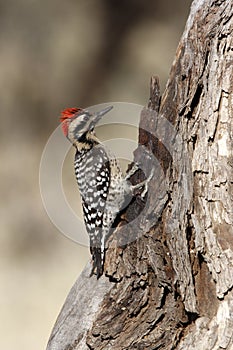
132, 171
144, 184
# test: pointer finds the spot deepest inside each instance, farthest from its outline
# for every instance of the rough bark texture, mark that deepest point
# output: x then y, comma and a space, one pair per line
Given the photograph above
171, 286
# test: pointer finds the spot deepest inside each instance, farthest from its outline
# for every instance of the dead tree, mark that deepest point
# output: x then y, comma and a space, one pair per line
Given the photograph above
171, 286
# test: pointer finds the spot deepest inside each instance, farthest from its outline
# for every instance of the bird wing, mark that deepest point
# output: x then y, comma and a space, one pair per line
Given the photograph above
94, 195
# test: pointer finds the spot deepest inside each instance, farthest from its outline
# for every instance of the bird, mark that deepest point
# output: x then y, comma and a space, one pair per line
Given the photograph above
103, 187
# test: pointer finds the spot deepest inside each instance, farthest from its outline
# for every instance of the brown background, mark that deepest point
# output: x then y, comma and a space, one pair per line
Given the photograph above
56, 54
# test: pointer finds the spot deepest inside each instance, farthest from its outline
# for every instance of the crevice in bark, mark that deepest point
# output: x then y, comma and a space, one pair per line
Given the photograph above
190, 235
195, 101
194, 140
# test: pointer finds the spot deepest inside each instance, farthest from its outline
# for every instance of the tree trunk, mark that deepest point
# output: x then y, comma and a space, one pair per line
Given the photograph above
171, 286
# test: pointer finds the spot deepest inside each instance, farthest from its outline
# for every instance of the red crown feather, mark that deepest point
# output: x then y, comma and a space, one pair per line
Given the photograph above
67, 114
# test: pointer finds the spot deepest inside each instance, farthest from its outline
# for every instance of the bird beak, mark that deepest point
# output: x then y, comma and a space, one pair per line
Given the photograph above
99, 115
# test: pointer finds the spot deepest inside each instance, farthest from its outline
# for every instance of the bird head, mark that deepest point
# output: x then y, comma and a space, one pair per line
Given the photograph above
78, 123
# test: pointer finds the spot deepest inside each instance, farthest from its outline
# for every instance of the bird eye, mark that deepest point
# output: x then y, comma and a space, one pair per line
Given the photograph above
86, 117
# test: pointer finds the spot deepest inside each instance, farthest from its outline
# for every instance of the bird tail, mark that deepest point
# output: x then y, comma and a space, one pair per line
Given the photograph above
98, 261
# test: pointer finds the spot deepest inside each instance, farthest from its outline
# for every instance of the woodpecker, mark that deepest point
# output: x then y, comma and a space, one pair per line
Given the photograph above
102, 185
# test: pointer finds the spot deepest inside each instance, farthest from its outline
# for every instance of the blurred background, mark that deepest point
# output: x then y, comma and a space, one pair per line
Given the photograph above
56, 54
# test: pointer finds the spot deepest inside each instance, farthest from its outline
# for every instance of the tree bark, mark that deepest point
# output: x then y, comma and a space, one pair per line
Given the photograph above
171, 286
